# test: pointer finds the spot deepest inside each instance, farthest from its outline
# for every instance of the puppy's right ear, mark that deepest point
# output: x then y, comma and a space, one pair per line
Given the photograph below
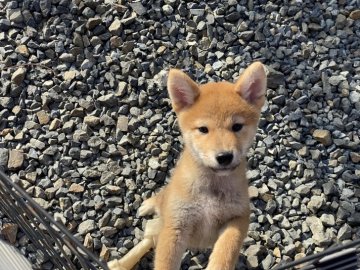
183, 91
251, 85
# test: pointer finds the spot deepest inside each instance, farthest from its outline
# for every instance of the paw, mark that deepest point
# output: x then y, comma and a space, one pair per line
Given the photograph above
147, 208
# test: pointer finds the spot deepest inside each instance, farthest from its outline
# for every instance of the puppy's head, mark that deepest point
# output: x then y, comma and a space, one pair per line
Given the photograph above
218, 120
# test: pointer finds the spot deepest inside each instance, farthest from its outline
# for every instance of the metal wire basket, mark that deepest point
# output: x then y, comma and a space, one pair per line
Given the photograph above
341, 257
55, 242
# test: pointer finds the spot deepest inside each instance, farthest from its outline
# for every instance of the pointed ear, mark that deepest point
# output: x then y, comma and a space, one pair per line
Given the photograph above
183, 91
251, 85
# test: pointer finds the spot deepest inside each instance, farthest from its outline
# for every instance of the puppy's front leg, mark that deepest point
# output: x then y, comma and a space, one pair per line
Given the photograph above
227, 247
170, 248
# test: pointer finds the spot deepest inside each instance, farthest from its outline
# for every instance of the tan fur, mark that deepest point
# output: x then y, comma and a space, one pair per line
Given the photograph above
205, 204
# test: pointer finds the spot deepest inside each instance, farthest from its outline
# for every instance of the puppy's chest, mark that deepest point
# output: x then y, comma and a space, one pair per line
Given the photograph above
210, 214
217, 208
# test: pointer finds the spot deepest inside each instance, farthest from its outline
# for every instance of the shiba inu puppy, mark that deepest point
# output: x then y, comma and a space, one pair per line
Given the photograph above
206, 203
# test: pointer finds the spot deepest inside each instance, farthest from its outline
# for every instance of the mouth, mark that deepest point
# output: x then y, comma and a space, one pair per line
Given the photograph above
223, 169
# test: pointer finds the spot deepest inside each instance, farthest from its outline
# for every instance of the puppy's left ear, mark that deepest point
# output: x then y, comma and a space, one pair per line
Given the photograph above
251, 85
183, 91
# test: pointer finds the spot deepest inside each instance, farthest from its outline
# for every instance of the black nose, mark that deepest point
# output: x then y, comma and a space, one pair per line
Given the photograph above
224, 158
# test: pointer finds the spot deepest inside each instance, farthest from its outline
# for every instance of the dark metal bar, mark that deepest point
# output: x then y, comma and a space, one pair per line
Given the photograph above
316, 257
24, 211
42, 241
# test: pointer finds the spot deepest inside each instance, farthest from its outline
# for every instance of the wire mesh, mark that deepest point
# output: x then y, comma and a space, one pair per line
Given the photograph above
340, 257
50, 237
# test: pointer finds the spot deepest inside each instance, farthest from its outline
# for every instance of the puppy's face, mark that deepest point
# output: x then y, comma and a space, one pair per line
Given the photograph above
219, 120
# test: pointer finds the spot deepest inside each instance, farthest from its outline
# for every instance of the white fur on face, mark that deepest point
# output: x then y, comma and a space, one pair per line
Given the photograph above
208, 157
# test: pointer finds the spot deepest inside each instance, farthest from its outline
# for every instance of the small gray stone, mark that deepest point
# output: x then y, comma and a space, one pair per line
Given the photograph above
68, 126
86, 227
91, 173
154, 163
268, 261
88, 241
77, 40
354, 220
246, 35
255, 250
109, 100
10, 230
122, 89
129, 20
87, 64
128, 244
138, 8
91, 120
354, 97
15, 15
289, 250
182, 9
345, 232
315, 203
44, 204
4, 24
113, 201
67, 57
316, 228
303, 190
329, 188
107, 120
252, 262
279, 100
45, 183
84, 154
155, 119
45, 7
253, 192
233, 17
271, 206
336, 80
167, 9
120, 223
37, 144
323, 136
355, 157
96, 142
88, 12
115, 27
355, 14
341, 21
106, 177
230, 38
127, 171
93, 22
70, 75
274, 77
18, 76
127, 47
328, 220
108, 231
4, 156
16, 159
122, 124
80, 136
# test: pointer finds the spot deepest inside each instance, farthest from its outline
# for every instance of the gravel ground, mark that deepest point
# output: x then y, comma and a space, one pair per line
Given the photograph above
86, 126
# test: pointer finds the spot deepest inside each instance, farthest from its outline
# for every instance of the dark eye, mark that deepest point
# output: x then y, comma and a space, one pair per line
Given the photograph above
236, 127
203, 130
